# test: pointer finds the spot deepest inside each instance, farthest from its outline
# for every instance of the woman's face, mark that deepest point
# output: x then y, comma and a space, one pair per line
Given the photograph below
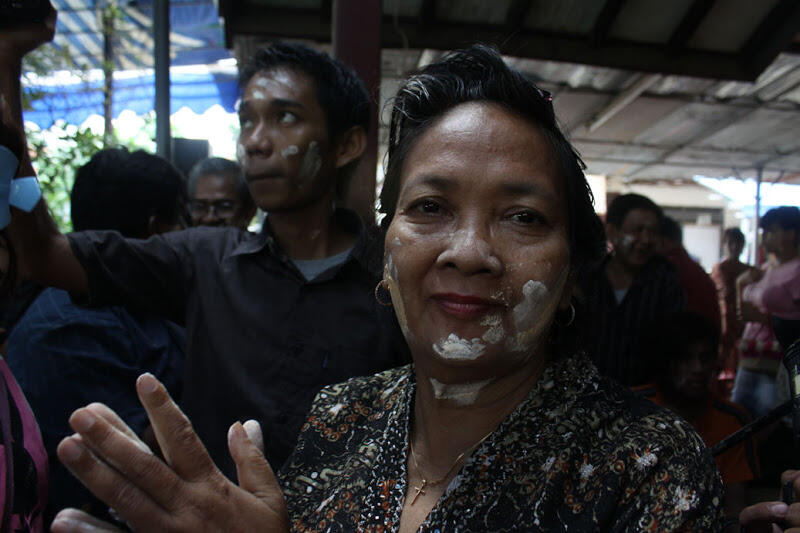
477, 256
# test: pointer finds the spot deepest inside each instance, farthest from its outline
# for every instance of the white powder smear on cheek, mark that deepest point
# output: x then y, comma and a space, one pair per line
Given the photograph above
312, 162
534, 294
289, 151
495, 332
457, 349
240, 152
458, 393
390, 274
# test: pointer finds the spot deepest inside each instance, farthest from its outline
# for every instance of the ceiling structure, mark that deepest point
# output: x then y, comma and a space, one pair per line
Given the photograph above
645, 89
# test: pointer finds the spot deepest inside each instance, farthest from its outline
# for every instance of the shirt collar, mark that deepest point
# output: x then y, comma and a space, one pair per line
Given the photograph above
366, 249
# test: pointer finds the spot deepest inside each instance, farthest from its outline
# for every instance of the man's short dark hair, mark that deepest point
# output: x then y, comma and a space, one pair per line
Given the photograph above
733, 235
785, 216
120, 190
671, 230
625, 203
340, 92
219, 166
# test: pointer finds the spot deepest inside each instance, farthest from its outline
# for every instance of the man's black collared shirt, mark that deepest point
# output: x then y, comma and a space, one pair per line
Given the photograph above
261, 340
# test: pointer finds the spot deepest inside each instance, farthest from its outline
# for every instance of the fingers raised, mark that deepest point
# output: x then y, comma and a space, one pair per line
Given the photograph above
763, 514
110, 485
179, 443
75, 521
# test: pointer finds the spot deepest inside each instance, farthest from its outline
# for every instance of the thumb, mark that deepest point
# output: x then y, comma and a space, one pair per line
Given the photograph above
255, 474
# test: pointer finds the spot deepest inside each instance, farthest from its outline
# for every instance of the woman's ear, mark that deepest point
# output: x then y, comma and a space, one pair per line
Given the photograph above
351, 144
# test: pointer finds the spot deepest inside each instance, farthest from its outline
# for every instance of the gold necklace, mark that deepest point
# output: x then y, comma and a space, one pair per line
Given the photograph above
425, 482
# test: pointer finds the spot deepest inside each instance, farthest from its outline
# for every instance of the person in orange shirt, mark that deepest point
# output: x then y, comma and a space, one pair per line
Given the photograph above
681, 351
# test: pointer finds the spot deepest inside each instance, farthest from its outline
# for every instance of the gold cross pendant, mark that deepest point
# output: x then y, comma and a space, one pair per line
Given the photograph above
420, 490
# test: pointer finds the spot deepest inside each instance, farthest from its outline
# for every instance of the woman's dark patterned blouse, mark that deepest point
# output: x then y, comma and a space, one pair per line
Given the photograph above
580, 453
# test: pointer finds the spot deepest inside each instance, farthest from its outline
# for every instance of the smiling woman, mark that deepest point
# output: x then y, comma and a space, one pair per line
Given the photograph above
500, 424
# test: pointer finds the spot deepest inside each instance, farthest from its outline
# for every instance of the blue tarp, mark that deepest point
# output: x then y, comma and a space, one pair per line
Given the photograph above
196, 35
196, 38
74, 103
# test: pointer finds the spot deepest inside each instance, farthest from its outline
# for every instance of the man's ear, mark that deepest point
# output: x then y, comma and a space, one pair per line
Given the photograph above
351, 144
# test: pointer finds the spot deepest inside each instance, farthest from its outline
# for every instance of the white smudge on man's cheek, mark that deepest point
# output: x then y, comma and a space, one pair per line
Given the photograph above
458, 393
290, 150
457, 349
312, 162
240, 152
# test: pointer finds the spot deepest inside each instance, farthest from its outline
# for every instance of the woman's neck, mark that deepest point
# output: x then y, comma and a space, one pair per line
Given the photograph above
450, 418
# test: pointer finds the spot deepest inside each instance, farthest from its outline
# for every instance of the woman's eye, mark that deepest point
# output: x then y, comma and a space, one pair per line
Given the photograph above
527, 217
429, 207
287, 117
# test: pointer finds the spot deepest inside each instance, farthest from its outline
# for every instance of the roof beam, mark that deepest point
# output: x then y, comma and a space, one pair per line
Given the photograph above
691, 20
605, 19
771, 36
250, 19
622, 100
763, 157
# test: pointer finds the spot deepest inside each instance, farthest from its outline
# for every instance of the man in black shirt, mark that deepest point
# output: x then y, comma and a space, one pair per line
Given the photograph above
629, 289
270, 317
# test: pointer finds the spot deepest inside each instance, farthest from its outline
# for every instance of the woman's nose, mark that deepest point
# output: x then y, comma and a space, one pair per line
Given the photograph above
470, 250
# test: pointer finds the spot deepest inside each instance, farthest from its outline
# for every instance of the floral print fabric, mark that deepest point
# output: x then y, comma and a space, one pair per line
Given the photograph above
580, 453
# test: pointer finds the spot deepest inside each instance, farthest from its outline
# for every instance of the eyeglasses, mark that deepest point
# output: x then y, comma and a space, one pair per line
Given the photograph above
222, 208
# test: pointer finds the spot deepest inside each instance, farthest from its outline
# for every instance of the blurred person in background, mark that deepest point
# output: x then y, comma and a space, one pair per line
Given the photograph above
699, 292
682, 353
218, 194
63, 354
724, 275
766, 298
629, 288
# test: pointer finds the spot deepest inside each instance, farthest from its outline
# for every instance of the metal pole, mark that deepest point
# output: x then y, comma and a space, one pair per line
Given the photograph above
757, 217
356, 40
161, 39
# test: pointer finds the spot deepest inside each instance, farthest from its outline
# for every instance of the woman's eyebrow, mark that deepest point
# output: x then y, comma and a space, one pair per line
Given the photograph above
432, 180
526, 188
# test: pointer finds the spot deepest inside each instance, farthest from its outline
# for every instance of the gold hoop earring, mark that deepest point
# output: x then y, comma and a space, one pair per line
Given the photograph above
571, 316
385, 285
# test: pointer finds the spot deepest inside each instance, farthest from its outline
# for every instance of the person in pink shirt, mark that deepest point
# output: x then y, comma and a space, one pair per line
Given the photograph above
770, 296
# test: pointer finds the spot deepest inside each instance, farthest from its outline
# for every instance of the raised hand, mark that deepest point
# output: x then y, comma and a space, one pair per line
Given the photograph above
775, 516
185, 493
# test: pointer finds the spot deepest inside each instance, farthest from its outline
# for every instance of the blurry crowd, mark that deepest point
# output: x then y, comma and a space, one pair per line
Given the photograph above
204, 309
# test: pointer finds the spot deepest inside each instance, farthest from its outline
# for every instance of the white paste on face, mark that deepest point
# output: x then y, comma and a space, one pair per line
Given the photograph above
240, 152
457, 349
397, 242
390, 275
627, 240
290, 150
263, 82
458, 393
495, 332
258, 95
527, 312
312, 162
467, 240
